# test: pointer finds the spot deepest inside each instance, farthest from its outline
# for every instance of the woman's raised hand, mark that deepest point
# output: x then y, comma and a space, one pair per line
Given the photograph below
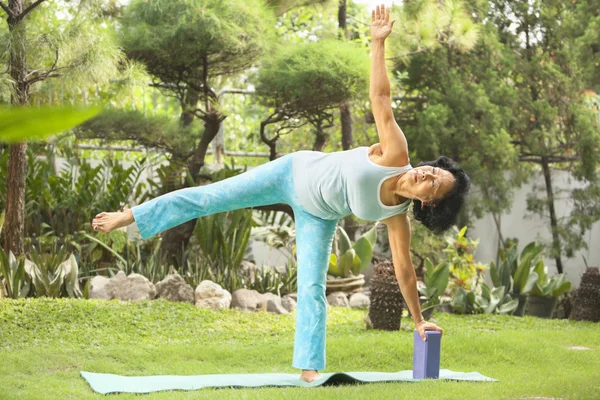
381, 26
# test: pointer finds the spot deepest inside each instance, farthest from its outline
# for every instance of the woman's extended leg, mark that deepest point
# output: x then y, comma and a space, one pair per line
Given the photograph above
267, 184
313, 247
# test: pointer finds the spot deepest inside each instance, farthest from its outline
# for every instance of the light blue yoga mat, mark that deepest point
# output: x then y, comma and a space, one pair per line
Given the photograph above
107, 383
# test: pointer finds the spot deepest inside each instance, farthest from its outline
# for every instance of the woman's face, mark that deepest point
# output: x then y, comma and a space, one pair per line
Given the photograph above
430, 183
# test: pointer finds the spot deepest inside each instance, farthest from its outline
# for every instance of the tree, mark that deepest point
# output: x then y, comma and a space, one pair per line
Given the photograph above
552, 128
457, 103
345, 110
187, 47
306, 82
36, 51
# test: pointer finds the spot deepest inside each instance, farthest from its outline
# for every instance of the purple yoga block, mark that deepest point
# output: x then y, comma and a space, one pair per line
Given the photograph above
426, 356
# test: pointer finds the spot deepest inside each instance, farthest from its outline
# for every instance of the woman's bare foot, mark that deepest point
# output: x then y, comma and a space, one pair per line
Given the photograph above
309, 375
109, 221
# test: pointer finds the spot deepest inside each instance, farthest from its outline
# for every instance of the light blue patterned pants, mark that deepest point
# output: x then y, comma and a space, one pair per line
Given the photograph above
269, 183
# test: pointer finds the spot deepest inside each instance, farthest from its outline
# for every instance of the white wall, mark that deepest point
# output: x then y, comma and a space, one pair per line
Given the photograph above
520, 224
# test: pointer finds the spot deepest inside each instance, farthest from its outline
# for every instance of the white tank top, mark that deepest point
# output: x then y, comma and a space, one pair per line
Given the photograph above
333, 185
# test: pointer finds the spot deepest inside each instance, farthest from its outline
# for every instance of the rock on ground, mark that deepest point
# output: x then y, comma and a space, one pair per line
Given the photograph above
134, 287
249, 300
338, 299
175, 288
359, 300
211, 295
288, 302
274, 304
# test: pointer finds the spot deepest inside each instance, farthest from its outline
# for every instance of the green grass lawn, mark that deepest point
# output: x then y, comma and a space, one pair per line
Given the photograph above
45, 343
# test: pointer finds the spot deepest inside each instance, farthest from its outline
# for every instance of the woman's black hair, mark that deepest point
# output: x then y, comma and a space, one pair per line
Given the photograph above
440, 218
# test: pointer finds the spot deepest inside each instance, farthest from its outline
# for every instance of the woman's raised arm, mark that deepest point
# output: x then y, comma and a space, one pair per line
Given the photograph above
392, 140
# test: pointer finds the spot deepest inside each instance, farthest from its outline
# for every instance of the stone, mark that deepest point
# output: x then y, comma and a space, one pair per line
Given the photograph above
274, 304
175, 288
98, 288
293, 296
248, 300
211, 295
288, 302
359, 300
338, 299
134, 287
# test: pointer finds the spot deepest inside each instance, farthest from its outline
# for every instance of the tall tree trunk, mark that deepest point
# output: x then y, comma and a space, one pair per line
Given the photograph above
272, 143
212, 121
14, 225
321, 137
350, 225
553, 219
176, 240
346, 120
345, 114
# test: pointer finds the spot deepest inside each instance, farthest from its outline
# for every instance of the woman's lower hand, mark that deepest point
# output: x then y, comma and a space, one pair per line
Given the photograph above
423, 326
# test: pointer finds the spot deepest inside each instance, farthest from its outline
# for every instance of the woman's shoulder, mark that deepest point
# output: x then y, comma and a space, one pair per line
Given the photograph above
387, 159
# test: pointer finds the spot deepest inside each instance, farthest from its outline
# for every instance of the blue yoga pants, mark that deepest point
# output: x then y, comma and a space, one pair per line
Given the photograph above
267, 184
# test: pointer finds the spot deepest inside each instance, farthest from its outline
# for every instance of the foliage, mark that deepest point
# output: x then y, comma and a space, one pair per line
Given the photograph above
308, 78
14, 281
63, 201
553, 128
71, 42
488, 301
276, 230
183, 42
464, 271
465, 302
516, 274
52, 275
435, 281
304, 83
270, 280
350, 259
423, 25
223, 240
459, 105
552, 287
150, 265
153, 131
496, 300
26, 123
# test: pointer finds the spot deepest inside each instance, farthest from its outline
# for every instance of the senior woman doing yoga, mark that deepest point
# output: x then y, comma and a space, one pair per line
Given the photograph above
374, 183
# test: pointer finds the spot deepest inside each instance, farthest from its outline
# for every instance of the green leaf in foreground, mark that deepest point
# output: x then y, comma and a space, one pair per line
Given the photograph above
27, 123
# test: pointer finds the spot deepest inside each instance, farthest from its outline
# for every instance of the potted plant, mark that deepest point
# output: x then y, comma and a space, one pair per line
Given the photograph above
544, 294
348, 260
435, 281
516, 273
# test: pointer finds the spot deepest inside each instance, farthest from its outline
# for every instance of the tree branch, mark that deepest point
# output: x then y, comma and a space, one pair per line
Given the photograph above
28, 10
42, 76
7, 10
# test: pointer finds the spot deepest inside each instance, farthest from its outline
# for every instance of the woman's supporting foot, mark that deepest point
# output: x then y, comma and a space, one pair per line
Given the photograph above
309, 375
109, 221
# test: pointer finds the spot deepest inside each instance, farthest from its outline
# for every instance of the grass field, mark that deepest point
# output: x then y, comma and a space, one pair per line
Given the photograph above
44, 344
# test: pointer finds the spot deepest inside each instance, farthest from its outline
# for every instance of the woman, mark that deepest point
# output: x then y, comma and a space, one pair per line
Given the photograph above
375, 183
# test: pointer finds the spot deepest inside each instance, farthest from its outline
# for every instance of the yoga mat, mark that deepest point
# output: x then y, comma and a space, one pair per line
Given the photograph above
108, 383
